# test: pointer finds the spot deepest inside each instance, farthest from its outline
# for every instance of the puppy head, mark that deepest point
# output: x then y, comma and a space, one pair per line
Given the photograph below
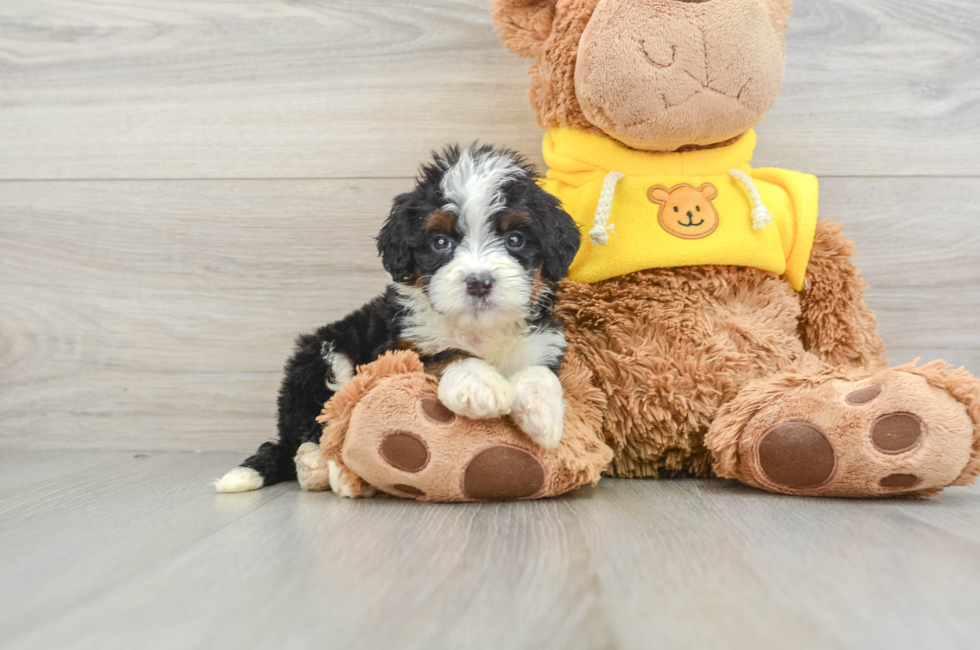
477, 237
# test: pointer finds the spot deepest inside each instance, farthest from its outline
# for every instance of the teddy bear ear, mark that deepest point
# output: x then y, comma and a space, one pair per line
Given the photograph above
658, 194
708, 191
781, 9
524, 25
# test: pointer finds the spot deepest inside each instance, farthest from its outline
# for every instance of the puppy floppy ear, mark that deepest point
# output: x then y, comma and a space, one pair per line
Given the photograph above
560, 236
524, 25
780, 10
563, 246
393, 241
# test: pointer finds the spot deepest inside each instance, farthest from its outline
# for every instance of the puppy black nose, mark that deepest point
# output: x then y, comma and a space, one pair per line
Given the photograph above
479, 285
689, 214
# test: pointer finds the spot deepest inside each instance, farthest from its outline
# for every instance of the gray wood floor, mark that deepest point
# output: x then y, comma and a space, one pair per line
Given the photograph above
126, 550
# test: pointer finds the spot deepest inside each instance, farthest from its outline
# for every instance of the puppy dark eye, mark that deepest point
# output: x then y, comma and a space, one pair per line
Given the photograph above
698, 208
515, 241
442, 243
676, 209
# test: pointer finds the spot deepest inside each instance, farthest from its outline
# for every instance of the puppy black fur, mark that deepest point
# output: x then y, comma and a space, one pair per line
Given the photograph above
413, 245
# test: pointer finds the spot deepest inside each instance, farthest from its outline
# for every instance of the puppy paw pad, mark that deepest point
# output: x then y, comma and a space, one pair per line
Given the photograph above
896, 433
900, 481
503, 472
863, 395
797, 455
405, 451
436, 411
408, 491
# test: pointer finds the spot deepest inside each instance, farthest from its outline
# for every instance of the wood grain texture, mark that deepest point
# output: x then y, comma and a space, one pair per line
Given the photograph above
157, 315
140, 553
879, 88
328, 89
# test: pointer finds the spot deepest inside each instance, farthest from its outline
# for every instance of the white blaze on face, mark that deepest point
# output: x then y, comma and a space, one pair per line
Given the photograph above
473, 191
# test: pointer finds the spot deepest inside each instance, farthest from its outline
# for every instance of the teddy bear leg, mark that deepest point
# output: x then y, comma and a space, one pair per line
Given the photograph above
835, 323
388, 429
856, 433
406, 442
316, 473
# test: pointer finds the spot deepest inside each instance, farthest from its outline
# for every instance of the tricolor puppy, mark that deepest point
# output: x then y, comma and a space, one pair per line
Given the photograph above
475, 251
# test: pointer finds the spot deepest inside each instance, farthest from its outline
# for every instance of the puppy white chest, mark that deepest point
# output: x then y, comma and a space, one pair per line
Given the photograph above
493, 345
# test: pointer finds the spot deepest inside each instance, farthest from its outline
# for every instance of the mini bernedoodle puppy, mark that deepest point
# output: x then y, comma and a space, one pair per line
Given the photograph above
476, 251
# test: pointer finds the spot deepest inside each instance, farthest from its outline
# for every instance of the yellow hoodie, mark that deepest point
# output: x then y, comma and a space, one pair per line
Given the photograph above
641, 210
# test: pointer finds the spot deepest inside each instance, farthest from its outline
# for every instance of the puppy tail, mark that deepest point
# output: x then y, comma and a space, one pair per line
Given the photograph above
272, 463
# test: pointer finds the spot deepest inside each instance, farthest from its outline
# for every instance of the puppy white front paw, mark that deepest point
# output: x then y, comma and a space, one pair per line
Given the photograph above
474, 389
344, 484
539, 407
317, 473
311, 468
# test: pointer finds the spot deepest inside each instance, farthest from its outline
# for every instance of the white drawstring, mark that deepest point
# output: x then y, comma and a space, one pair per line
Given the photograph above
761, 216
600, 230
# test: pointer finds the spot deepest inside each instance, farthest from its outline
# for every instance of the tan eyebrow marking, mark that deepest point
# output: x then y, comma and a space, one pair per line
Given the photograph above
441, 220
514, 219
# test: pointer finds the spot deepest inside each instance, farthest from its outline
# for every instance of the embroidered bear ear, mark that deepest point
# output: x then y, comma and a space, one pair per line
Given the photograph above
658, 194
524, 25
708, 191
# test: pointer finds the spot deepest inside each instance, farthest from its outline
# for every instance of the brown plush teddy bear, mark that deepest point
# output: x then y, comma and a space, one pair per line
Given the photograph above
715, 326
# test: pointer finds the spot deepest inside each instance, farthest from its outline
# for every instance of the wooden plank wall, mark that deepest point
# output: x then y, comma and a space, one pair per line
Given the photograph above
186, 185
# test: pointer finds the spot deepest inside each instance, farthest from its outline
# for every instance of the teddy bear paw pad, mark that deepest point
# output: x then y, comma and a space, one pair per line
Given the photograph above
503, 472
863, 395
405, 451
900, 481
436, 411
406, 491
797, 455
896, 433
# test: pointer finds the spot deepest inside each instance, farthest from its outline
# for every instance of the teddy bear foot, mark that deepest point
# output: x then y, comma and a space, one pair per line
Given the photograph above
902, 431
389, 429
422, 450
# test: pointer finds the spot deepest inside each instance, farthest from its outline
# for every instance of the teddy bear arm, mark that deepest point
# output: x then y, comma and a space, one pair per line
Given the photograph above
835, 323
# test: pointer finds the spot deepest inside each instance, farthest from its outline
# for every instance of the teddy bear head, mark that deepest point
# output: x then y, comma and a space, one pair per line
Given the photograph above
657, 75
